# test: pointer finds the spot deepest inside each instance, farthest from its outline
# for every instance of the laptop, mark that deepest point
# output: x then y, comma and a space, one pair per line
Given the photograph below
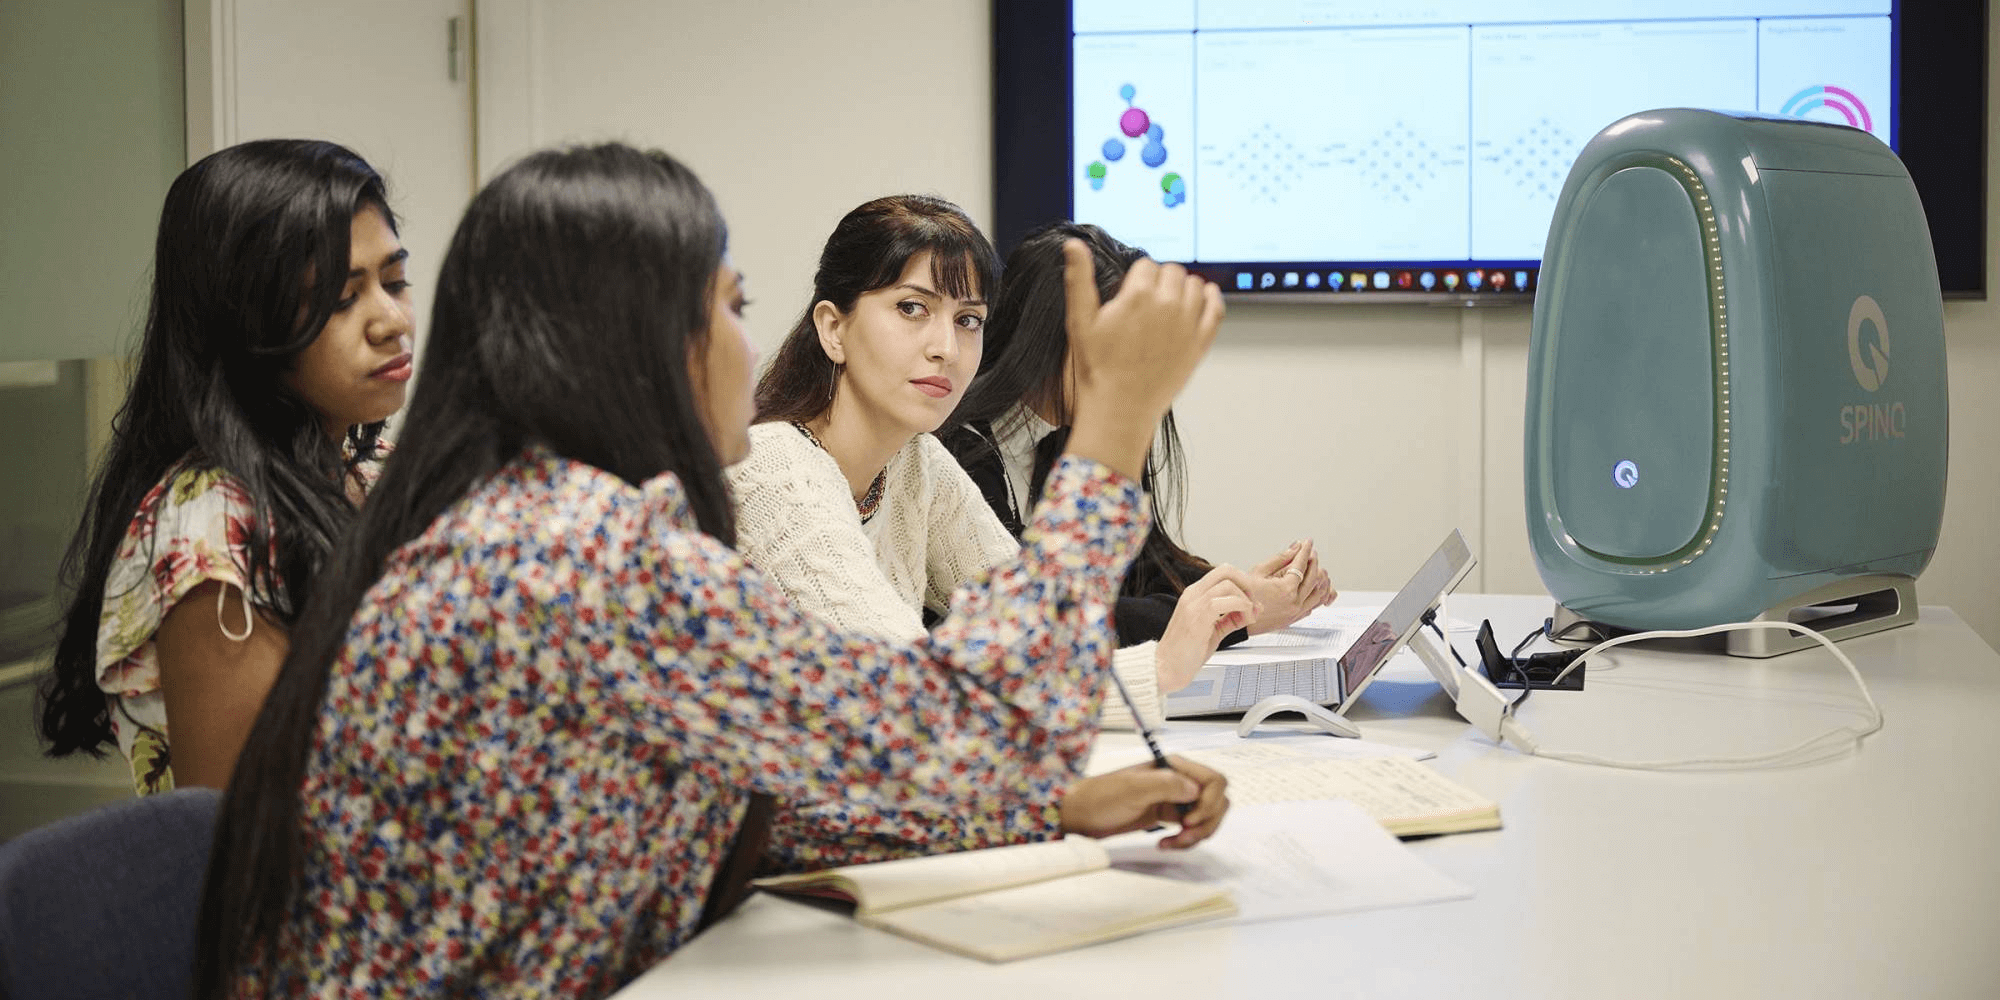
1329, 666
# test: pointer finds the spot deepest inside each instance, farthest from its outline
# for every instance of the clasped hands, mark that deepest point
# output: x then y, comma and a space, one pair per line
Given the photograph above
1275, 593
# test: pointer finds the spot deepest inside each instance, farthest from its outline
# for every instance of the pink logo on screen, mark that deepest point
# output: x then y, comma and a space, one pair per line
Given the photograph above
1839, 99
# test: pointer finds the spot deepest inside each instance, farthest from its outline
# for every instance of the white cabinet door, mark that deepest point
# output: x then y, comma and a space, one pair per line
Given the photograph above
376, 76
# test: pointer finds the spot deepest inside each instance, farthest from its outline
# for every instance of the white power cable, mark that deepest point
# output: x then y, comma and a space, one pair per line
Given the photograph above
1511, 729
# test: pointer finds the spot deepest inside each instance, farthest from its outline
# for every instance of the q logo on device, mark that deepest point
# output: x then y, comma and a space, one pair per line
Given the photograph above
1625, 474
1870, 358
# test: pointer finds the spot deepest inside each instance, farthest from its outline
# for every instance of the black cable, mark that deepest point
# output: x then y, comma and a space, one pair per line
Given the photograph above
1526, 639
1527, 686
1599, 632
1431, 618
1513, 659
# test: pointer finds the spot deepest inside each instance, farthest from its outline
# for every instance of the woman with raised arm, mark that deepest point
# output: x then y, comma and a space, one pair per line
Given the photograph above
1020, 411
531, 722
849, 504
277, 342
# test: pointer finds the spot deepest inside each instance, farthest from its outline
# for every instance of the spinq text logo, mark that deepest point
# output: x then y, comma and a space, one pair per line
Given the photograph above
1868, 355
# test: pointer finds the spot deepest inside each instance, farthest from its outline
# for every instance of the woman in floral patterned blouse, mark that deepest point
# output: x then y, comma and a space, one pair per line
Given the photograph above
538, 699
277, 341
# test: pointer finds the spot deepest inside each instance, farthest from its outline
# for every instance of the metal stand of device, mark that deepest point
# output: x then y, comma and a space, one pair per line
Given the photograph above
1840, 610
1843, 609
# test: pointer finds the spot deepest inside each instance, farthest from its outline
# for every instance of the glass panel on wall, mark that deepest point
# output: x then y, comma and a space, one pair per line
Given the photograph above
45, 453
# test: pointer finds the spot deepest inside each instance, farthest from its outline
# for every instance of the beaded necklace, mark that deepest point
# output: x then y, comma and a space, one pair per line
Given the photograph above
869, 500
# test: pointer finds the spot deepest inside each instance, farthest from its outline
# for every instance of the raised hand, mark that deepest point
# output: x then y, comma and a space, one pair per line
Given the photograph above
1132, 354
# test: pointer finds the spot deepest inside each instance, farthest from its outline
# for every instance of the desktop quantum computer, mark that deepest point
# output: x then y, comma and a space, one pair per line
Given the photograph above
1736, 382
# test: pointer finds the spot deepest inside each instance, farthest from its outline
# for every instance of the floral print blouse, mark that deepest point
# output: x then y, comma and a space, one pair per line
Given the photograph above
191, 527
552, 708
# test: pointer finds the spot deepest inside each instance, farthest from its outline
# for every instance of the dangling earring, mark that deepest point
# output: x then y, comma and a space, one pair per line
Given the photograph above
832, 383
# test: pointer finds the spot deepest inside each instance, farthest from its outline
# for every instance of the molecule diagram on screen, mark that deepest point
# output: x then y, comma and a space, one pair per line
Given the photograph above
1134, 124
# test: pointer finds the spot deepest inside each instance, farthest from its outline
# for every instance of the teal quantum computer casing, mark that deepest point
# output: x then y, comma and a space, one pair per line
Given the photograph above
1736, 404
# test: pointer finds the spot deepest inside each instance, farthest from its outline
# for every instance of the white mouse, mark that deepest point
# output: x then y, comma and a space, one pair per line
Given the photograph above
1318, 715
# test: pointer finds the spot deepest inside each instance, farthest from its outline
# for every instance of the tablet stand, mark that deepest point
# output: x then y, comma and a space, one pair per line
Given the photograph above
1438, 661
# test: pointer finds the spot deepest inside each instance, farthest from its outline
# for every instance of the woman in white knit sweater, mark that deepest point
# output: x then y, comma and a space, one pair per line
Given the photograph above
849, 504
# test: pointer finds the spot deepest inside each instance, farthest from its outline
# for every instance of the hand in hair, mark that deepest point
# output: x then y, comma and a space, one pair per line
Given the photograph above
1288, 586
1212, 607
1132, 354
1144, 795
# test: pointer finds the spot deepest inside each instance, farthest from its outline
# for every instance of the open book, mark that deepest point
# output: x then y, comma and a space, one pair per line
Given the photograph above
1407, 798
1012, 902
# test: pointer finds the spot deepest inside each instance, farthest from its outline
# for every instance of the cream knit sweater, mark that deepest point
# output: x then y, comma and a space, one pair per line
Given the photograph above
797, 524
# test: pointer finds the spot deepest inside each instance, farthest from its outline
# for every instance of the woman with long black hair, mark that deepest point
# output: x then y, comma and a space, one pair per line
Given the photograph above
1018, 414
277, 341
530, 727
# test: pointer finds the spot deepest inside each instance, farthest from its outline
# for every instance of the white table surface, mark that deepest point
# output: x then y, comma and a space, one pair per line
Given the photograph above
1874, 874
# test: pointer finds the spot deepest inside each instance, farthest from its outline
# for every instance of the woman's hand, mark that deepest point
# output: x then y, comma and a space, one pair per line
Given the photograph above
1214, 606
1288, 586
1144, 795
1131, 354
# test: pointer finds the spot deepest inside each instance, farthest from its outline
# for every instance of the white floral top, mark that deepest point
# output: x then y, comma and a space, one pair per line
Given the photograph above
191, 528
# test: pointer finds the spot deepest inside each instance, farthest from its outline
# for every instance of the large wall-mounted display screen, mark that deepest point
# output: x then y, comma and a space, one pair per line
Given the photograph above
1349, 147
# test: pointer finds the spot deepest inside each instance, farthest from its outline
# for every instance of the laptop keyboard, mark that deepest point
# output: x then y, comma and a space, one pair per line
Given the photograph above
1244, 685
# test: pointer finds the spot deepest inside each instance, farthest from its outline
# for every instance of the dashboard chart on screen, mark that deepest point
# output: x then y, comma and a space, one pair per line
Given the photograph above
1356, 148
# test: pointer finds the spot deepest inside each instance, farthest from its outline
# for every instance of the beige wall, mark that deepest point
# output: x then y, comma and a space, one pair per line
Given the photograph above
791, 111
1373, 429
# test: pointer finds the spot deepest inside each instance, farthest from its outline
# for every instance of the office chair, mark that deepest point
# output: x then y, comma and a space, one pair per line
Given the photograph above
104, 904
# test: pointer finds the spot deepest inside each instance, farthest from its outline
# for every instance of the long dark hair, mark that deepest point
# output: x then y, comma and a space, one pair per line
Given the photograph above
868, 250
1027, 350
574, 291
249, 264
